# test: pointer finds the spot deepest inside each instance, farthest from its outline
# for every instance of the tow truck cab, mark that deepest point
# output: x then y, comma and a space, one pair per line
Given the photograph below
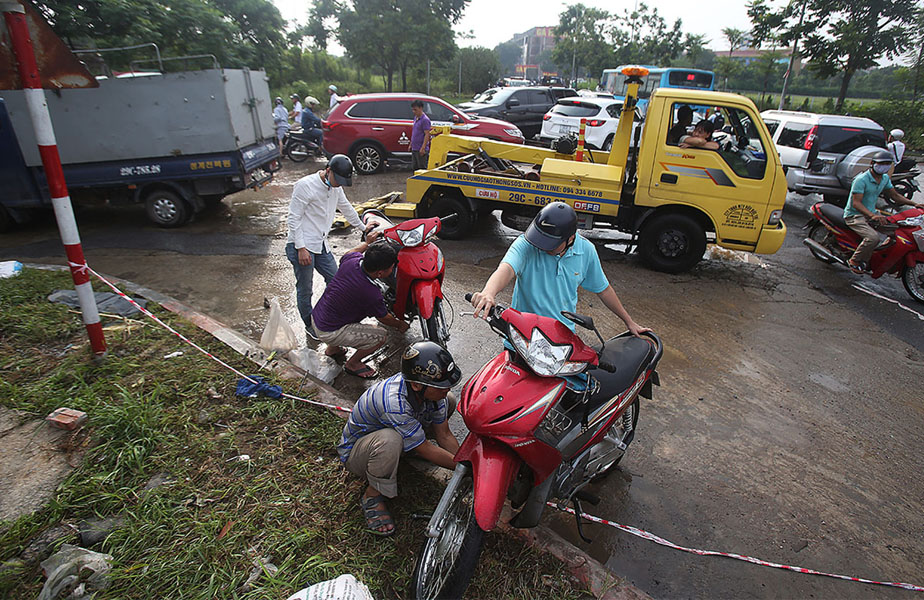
671, 200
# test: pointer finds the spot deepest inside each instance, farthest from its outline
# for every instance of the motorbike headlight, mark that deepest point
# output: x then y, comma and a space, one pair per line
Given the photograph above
411, 237
543, 357
515, 132
439, 259
919, 238
912, 222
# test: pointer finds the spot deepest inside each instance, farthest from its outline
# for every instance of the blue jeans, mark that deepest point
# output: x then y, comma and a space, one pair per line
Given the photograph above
326, 265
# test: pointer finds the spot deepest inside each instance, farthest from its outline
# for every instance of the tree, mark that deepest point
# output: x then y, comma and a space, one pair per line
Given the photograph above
392, 34
320, 27
509, 54
915, 56
642, 36
480, 68
582, 39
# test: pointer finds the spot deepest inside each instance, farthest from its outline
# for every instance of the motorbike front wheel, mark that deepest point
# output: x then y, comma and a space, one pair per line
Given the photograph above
818, 234
913, 278
446, 563
434, 328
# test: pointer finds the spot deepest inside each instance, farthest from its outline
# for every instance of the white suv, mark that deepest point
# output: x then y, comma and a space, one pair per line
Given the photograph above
601, 117
821, 154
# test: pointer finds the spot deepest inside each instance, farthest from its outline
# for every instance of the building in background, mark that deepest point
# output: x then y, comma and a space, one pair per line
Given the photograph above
536, 57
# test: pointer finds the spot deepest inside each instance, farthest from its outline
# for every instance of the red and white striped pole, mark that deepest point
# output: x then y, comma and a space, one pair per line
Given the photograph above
21, 40
579, 155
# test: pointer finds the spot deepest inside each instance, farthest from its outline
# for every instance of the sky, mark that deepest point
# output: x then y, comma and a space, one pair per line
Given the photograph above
494, 21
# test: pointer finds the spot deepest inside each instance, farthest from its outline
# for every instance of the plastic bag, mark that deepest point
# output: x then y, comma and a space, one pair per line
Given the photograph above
278, 334
345, 587
77, 569
10, 268
323, 367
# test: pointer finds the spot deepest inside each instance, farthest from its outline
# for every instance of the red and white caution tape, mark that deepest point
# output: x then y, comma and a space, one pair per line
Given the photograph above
659, 540
202, 350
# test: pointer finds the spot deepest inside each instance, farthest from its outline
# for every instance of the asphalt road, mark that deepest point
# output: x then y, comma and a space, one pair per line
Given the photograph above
787, 425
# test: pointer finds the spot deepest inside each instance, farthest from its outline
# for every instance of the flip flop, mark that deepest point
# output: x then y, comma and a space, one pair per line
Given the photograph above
858, 269
376, 518
365, 372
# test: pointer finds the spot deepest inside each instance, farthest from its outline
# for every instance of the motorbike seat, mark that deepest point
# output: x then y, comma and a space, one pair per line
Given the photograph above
630, 355
835, 216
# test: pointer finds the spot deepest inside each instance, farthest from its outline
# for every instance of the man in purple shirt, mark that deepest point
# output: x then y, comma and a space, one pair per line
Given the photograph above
420, 137
351, 296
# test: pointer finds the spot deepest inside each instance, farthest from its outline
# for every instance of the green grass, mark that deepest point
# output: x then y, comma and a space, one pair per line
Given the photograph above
292, 504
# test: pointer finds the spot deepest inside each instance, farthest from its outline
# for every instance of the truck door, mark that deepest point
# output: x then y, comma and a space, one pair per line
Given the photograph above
728, 179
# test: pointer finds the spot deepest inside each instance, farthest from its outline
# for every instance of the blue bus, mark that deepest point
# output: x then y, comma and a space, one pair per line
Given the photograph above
612, 81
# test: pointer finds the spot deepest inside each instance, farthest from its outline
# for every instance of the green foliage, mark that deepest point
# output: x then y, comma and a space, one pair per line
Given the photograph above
642, 36
904, 114
480, 68
509, 55
582, 39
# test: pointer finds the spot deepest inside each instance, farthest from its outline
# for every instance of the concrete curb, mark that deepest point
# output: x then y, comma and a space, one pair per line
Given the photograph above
603, 584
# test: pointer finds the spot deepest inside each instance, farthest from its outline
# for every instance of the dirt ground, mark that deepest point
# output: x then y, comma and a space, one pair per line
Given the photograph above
786, 426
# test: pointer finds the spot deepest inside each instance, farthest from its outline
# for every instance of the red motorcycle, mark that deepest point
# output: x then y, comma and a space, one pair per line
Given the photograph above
545, 418
901, 254
415, 290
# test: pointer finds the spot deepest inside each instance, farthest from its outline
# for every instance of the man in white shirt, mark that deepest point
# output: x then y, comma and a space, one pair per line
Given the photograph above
334, 98
315, 200
296, 114
897, 147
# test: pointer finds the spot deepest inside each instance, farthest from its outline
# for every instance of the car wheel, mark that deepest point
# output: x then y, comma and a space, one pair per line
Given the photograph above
608, 144
368, 158
672, 243
166, 209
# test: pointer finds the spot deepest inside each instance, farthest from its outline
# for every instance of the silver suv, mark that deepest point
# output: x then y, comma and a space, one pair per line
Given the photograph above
821, 154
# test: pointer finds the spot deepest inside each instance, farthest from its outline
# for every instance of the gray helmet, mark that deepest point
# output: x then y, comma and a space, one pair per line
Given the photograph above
293, 97
341, 167
554, 224
882, 156
278, 100
430, 364
897, 134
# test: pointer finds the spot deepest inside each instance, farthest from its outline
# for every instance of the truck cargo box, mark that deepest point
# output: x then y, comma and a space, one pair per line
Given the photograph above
172, 114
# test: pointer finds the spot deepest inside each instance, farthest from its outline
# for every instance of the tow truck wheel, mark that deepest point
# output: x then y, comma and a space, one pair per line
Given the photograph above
166, 209
457, 228
672, 243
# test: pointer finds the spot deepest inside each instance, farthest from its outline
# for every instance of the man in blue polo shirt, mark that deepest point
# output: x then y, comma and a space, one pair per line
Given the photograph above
860, 211
549, 262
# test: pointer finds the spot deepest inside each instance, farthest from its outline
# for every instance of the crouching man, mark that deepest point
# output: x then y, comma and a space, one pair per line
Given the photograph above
392, 418
351, 296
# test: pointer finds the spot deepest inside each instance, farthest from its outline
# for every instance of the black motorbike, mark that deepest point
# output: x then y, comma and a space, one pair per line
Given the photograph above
298, 146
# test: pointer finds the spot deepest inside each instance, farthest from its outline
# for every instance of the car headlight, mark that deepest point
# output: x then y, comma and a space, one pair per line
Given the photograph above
411, 237
543, 357
514, 132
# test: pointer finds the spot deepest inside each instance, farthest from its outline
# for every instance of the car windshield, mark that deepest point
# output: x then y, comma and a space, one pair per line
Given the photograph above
487, 96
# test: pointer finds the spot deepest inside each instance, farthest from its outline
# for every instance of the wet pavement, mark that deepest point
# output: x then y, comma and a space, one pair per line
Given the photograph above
786, 425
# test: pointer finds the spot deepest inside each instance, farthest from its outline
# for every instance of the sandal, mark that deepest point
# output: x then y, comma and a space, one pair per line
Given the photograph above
341, 355
858, 269
364, 372
376, 518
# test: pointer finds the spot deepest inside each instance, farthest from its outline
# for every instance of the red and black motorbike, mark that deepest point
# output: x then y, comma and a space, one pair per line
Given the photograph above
415, 290
901, 253
545, 418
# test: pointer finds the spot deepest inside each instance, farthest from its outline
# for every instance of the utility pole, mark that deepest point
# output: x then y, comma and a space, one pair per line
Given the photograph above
428, 76
460, 75
793, 56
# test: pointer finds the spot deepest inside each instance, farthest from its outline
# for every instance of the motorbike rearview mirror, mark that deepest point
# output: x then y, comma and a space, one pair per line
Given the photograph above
581, 320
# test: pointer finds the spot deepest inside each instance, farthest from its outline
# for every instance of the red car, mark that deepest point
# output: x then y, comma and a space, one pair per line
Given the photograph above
371, 128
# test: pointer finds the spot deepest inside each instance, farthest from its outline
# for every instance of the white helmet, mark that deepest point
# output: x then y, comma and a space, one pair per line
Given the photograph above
897, 134
311, 100
332, 88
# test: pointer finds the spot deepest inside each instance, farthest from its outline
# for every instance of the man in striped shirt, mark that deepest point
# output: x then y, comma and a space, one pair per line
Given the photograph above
392, 418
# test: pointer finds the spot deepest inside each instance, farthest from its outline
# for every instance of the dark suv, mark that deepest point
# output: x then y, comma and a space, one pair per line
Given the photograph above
371, 128
522, 106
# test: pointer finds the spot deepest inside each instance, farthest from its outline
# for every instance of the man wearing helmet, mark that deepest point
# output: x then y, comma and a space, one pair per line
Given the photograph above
391, 419
334, 98
296, 112
549, 262
315, 200
860, 211
280, 122
311, 124
897, 147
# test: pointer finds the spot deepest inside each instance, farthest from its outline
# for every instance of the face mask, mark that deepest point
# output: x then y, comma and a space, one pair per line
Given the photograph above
881, 169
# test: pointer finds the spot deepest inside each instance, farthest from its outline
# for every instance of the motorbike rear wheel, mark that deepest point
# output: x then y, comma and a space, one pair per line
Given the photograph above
297, 151
445, 563
818, 233
913, 279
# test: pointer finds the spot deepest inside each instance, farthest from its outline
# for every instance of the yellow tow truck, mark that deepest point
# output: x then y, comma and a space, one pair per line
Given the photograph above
670, 200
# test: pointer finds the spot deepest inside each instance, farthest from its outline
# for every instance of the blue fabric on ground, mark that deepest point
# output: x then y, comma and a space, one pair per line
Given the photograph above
251, 390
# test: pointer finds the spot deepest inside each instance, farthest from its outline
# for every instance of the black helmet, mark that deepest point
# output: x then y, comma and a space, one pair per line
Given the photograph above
430, 364
342, 168
554, 224
883, 156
